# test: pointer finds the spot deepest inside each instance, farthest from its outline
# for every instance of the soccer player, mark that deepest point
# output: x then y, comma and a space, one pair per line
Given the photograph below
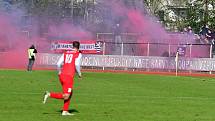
70, 62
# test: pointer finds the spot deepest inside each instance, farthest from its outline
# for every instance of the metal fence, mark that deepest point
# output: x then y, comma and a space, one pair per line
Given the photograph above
157, 49
132, 44
129, 55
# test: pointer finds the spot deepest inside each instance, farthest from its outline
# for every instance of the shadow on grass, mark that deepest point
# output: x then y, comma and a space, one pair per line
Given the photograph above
71, 111
60, 111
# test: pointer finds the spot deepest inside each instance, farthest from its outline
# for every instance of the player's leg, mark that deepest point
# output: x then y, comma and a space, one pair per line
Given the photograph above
66, 104
67, 89
31, 65
58, 95
29, 68
55, 95
67, 98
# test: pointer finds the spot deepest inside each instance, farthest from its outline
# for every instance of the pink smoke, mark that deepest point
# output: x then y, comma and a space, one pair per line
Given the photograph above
13, 42
136, 21
147, 27
69, 31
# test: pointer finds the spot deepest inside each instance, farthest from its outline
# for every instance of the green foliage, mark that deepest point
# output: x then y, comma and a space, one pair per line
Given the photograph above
40, 6
211, 19
10, 5
197, 15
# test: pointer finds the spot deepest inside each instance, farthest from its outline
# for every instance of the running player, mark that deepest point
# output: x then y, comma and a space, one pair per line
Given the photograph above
70, 62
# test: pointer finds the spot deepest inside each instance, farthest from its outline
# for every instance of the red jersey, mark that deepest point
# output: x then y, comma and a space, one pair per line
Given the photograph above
69, 62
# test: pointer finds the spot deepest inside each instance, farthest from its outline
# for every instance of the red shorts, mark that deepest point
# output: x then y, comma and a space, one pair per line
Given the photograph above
66, 82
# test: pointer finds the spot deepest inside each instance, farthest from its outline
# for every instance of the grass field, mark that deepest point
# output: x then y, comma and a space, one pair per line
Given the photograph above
108, 97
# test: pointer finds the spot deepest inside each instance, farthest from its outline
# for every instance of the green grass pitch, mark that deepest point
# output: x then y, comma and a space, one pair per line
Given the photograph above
107, 97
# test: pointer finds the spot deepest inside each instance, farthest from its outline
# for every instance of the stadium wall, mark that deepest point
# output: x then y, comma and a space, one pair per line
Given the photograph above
117, 62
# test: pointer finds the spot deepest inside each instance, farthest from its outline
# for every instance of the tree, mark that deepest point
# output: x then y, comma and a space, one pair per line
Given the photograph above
198, 14
9, 5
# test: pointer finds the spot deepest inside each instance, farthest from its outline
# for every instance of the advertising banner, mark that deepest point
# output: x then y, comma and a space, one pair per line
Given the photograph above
181, 51
142, 62
87, 46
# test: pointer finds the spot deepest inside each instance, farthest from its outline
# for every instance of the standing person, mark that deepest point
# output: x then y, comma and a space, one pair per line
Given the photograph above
71, 62
117, 40
31, 57
117, 35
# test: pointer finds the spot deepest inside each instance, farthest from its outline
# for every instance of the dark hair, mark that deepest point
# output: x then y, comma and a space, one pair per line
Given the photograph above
32, 47
76, 44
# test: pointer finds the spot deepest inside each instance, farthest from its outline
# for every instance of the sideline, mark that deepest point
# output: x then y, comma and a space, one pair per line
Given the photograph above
194, 74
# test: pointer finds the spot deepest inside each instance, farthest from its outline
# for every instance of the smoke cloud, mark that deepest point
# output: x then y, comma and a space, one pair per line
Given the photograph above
13, 41
130, 15
134, 18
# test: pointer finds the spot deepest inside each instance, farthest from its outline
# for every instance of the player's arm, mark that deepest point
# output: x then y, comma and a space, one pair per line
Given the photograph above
78, 64
60, 63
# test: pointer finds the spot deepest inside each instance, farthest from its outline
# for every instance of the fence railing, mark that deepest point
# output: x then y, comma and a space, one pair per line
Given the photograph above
158, 49
136, 56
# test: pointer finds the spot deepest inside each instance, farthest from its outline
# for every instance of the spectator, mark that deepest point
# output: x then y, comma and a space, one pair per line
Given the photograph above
204, 30
117, 34
209, 36
204, 34
189, 30
185, 30
31, 57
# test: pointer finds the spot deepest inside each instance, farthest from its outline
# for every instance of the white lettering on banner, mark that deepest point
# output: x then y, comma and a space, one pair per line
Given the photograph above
145, 63
48, 59
61, 46
69, 46
91, 61
44, 60
198, 64
87, 47
90, 47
